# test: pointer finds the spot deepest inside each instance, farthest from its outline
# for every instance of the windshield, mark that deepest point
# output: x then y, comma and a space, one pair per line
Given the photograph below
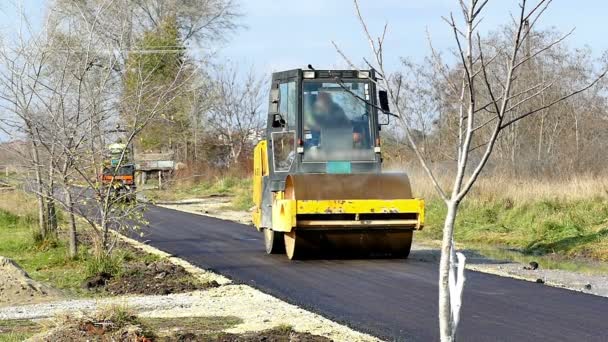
337, 122
125, 170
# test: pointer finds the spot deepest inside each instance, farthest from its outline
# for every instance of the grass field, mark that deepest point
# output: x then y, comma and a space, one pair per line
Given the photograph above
536, 217
48, 261
44, 261
571, 228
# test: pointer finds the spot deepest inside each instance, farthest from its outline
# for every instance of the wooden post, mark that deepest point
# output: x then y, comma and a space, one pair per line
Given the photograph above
160, 180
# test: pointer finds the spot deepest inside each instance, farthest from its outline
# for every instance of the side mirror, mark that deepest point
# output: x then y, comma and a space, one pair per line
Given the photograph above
383, 97
386, 121
384, 106
278, 121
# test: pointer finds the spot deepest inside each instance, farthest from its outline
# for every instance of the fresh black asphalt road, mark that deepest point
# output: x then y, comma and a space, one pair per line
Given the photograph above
395, 300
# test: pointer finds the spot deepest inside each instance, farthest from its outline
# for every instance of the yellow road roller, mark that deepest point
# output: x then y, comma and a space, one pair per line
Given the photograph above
318, 185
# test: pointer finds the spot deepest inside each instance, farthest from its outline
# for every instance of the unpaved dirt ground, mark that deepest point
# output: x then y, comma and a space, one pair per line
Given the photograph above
87, 331
596, 284
148, 278
211, 206
16, 287
272, 335
131, 328
146, 273
257, 312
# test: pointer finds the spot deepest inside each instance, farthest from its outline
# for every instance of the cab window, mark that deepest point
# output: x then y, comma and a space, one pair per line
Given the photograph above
283, 147
337, 123
288, 103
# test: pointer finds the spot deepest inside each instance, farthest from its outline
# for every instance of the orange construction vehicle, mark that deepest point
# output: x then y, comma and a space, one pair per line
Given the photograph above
119, 172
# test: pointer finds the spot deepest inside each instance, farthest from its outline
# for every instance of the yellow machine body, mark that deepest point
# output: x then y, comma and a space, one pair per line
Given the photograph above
260, 170
288, 214
356, 212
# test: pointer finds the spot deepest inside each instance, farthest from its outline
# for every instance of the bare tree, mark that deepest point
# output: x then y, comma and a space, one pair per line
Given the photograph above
122, 22
65, 94
234, 115
493, 95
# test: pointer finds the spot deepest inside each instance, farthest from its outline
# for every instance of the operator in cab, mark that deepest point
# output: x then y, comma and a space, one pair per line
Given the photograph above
324, 119
328, 113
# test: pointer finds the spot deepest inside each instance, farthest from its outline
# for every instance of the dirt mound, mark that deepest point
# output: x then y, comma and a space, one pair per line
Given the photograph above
93, 332
16, 286
119, 324
155, 278
116, 325
273, 335
106, 331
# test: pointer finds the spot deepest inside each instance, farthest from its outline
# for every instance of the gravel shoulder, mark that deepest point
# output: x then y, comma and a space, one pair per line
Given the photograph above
428, 251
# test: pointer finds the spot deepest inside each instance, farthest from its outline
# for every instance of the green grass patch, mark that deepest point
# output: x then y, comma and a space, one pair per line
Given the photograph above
576, 228
45, 261
48, 261
18, 330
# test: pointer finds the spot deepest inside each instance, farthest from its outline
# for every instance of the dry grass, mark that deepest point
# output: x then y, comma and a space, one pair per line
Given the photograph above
497, 187
526, 190
18, 203
563, 217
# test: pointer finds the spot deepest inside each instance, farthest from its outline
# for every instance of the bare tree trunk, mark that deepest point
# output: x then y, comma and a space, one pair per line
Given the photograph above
576, 158
73, 238
447, 331
49, 195
39, 191
105, 235
541, 131
52, 215
52, 223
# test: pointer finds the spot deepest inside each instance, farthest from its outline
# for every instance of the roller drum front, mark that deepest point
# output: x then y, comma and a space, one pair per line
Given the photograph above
331, 232
303, 244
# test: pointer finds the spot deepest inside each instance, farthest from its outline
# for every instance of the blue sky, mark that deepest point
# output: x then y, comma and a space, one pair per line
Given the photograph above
284, 34
292, 33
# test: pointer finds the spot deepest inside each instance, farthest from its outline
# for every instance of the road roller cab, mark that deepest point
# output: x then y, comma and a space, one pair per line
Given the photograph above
318, 184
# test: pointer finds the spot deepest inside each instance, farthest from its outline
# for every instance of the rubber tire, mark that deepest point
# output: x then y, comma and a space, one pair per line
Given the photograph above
273, 242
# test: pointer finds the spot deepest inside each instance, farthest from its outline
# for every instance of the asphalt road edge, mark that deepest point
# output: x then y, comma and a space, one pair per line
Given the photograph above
346, 333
